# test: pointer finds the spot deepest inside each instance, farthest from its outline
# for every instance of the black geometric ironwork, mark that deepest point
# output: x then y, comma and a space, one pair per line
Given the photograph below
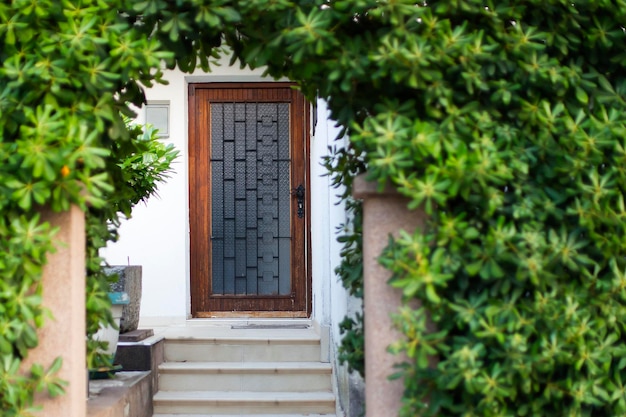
251, 207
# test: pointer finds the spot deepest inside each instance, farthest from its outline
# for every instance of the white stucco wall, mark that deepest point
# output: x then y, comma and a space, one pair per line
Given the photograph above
330, 298
157, 236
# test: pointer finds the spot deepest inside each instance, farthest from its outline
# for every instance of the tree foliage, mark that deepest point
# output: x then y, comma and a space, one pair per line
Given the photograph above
135, 168
68, 72
504, 122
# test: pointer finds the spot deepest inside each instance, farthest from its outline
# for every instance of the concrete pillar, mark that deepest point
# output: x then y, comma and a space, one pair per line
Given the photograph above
384, 213
64, 334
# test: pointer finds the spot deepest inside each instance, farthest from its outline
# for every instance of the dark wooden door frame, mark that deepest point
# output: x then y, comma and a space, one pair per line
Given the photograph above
199, 192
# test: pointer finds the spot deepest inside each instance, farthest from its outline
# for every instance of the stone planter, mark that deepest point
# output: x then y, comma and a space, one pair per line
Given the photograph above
110, 334
129, 281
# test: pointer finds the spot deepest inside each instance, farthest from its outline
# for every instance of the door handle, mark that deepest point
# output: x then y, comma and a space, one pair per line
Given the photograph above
298, 192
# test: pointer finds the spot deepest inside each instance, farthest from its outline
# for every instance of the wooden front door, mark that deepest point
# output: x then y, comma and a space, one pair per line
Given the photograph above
247, 199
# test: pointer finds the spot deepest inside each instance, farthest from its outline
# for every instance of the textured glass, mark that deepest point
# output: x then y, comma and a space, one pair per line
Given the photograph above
251, 122
268, 226
267, 200
218, 266
217, 201
240, 112
268, 287
229, 160
283, 203
251, 210
240, 285
251, 249
229, 276
251, 198
271, 207
266, 242
284, 266
240, 258
283, 131
229, 199
240, 179
240, 219
251, 171
267, 117
266, 275
270, 269
266, 111
284, 199
252, 278
217, 131
267, 236
229, 238
267, 219
229, 122
240, 140
266, 161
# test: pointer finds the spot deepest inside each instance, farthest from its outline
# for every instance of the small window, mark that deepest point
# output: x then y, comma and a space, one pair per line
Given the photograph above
158, 115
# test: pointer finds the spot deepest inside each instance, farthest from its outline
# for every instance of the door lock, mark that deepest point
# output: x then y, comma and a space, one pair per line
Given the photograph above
298, 192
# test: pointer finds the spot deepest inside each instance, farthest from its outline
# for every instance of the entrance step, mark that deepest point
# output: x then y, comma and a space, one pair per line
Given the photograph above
247, 371
244, 349
242, 403
245, 376
243, 415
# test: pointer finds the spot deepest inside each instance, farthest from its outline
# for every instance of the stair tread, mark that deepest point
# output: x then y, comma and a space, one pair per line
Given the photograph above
243, 396
192, 334
263, 367
243, 415
238, 367
229, 340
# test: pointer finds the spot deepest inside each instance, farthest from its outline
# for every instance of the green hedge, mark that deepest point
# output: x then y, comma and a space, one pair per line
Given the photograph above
505, 122
68, 71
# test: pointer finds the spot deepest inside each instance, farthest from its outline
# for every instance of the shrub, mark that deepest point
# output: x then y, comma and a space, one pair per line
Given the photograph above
68, 71
505, 122
513, 143
136, 167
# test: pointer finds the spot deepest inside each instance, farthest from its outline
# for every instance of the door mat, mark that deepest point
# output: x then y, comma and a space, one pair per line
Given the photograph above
271, 326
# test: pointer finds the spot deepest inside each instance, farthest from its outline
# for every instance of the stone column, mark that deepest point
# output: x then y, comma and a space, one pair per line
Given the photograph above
384, 213
64, 334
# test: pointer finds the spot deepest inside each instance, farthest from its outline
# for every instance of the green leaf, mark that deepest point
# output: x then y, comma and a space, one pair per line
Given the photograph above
474, 267
581, 95
431, 294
